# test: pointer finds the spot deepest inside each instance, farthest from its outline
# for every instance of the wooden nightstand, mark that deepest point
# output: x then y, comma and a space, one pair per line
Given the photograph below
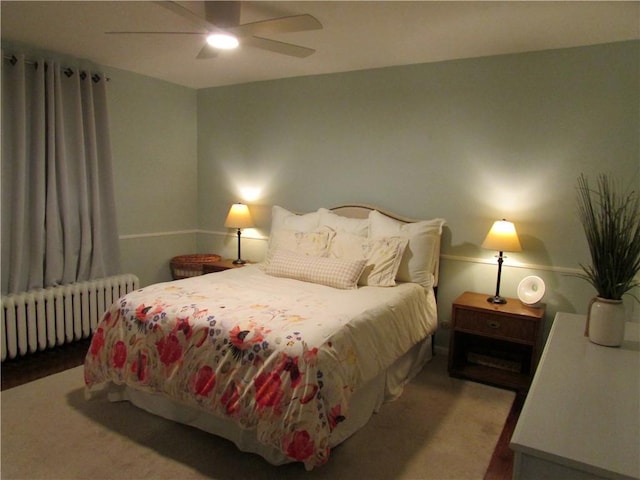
495, 344
221, 266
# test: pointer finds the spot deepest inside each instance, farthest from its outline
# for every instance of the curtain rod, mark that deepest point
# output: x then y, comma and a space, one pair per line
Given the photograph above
13, 60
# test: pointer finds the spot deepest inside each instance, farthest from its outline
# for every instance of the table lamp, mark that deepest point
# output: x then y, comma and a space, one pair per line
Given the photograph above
239, 217
501, 237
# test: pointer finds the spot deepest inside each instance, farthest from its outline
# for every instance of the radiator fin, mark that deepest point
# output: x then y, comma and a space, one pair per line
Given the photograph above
44, 318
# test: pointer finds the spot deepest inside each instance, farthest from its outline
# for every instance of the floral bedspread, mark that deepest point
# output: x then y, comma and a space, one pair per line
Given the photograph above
270, 353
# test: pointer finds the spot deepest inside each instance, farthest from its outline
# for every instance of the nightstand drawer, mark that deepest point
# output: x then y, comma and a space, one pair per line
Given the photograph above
495, 325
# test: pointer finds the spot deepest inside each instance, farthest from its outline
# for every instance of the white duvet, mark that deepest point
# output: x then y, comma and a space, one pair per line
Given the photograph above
275, 355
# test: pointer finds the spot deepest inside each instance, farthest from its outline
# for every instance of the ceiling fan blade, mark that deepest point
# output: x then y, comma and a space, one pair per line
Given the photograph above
175, 7
223, 13
294, 23
155, 33
228, 13
278, 47
207, 52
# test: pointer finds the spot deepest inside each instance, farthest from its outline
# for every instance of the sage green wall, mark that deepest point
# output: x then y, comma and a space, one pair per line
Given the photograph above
154, 143
469, 140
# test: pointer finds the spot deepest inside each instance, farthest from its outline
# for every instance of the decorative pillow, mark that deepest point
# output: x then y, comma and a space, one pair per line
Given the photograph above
281, 218
331, 272
383, 256
356, 226
421, 256
315, 244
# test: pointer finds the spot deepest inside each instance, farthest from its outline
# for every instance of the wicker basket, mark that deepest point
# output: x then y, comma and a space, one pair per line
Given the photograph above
185, 266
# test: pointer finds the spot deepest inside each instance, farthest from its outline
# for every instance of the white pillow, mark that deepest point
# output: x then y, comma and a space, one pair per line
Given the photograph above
383, 256
331, 272
421, 256
356, 226
283, 218
315, 244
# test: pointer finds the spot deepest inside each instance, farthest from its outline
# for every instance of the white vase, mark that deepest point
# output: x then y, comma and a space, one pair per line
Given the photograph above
605, 322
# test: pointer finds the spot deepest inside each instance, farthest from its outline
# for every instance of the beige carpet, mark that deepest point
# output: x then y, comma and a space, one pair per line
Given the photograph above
441, 428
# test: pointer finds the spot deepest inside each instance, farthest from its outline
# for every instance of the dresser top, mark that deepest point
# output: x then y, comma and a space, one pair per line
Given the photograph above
583, 408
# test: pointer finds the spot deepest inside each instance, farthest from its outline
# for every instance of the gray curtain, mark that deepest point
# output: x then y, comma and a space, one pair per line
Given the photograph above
58, 210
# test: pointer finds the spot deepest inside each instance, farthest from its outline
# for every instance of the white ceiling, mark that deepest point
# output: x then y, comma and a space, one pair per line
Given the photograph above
356, 35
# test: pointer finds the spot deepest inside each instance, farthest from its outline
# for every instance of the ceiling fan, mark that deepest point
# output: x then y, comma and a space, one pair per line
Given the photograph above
223, 30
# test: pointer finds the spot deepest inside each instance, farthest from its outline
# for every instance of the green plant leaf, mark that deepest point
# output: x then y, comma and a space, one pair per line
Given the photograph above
611, 222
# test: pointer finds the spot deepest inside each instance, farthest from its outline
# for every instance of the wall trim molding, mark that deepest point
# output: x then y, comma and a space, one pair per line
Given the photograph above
156, 234
528, 266
252, 236
189, 232
451, 258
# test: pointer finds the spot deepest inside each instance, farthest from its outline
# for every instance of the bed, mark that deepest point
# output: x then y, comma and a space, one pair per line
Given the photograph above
289, 357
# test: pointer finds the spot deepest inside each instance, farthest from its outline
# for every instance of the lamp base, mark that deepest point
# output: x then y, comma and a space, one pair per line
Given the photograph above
497, 299
239, 261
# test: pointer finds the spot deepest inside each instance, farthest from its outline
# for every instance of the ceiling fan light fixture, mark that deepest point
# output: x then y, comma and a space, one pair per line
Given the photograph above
223, 41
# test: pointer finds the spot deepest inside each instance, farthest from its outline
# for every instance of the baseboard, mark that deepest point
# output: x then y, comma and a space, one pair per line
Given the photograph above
440, 350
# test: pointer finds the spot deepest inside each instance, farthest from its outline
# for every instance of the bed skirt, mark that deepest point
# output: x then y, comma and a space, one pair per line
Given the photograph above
385, 387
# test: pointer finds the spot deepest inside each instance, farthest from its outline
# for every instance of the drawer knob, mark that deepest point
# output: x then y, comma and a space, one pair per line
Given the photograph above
493, 323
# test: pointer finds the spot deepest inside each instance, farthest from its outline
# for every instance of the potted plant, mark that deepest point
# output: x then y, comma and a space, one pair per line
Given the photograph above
611, 222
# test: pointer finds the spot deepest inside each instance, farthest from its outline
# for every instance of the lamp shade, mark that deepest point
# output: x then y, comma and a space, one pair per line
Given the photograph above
502, 237
238, 217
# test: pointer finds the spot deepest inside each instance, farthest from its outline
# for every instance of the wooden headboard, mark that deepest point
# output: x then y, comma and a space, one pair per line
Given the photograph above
362, 211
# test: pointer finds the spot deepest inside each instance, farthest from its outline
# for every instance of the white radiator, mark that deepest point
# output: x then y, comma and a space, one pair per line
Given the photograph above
44, 318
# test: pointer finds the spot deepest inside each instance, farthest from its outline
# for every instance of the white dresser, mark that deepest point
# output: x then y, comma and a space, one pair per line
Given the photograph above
581, 418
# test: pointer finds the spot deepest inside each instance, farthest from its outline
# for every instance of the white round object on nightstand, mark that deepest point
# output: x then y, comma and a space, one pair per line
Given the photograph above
531, 290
